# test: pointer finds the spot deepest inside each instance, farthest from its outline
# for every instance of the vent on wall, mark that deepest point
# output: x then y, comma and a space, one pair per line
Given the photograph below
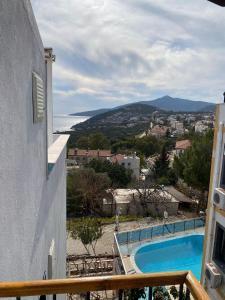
38, 98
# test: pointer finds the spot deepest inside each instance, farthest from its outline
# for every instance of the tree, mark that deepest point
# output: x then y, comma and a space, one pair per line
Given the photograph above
160, 294
193, 166
83, 142
174, 292
161, 167
134, 294
153, 195
98, 141
89, 231
120, 177
87, 188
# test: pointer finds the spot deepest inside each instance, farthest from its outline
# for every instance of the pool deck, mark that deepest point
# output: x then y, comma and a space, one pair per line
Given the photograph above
128, 260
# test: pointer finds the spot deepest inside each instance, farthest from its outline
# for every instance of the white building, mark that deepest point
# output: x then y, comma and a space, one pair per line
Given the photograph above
179, 126
200, 127
213, 271
127, 201
32, 159
131, 162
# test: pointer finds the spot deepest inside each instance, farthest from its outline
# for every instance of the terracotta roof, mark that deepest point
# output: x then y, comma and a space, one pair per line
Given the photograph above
89, 153
117, 158
183, 145
159, 130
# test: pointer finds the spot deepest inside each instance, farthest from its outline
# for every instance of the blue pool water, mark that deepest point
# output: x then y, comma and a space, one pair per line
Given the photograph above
176, 254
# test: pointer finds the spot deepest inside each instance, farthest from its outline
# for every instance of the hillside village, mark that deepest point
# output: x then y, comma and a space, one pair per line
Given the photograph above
145, 120
172, 133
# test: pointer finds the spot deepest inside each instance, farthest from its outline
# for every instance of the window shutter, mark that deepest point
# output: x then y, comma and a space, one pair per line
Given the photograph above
38, 98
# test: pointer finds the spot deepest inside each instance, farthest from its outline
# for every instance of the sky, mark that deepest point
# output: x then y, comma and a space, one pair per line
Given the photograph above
113, 52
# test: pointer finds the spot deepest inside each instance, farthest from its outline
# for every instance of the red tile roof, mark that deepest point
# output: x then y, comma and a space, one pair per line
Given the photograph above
117, 157
183, 145
89, 153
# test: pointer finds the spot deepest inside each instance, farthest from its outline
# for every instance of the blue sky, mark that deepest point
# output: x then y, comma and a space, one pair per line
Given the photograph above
112, 52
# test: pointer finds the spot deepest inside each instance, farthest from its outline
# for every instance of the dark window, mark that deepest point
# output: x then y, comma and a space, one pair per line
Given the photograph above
219, 247
222, 176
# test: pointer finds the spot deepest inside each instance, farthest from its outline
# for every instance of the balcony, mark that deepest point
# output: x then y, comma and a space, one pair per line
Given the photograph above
184, 279
56, 149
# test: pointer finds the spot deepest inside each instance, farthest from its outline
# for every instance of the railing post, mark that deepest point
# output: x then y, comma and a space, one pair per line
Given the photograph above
88, 296
173, 228
150, 293
181, 292
120, 295
187, 297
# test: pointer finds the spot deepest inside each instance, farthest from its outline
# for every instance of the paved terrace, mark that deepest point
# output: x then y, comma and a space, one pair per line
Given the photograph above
105, 244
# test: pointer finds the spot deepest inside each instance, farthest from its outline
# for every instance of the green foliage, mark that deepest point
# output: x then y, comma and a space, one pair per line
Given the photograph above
161, 167
85, 191
163, 180
120, 177
88, 230
143, 163
71, 222
145, 146
83, 142
93, 141
163, 174
160, 294
98, 141
193, 166
174, 292
134, 294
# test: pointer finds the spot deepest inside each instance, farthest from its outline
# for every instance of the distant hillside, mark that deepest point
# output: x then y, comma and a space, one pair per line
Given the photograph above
181, 105
91, 113
165, 103
127, 120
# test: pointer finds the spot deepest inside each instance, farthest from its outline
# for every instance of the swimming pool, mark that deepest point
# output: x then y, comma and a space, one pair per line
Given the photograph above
174, 254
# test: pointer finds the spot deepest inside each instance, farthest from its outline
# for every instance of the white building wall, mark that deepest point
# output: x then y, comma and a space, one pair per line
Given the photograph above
33, 205
132, 163
215, 215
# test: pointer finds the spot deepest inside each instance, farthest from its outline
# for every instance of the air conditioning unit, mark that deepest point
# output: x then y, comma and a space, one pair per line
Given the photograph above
213, 275
219, 198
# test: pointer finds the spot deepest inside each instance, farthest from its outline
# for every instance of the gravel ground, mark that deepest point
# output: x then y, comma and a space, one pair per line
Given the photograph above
105, 244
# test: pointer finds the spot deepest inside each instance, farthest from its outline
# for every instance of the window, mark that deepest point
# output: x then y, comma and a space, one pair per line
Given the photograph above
123, 164
219, 247
128, 164
38, 98
222, 176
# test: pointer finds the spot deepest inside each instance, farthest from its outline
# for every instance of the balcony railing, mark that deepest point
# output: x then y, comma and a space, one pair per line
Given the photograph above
186, 281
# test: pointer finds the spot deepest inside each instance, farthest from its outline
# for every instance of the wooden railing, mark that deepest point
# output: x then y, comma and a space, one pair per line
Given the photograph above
117, 282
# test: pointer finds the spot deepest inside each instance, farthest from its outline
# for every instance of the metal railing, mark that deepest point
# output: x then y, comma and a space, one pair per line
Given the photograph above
158, 230
188, 285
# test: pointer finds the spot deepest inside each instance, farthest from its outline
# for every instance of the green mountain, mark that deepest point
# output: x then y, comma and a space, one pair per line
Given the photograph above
165, 103
124, 121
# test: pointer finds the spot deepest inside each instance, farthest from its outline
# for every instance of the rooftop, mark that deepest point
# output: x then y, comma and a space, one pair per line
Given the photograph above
183, 144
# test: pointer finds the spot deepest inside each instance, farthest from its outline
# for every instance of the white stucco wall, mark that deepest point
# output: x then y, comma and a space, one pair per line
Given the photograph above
33, 207
132, 163
214, 216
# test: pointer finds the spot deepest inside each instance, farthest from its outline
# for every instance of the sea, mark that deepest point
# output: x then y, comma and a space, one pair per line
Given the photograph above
65, 122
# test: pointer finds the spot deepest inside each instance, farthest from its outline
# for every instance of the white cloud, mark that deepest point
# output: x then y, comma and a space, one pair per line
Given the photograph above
111, 52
